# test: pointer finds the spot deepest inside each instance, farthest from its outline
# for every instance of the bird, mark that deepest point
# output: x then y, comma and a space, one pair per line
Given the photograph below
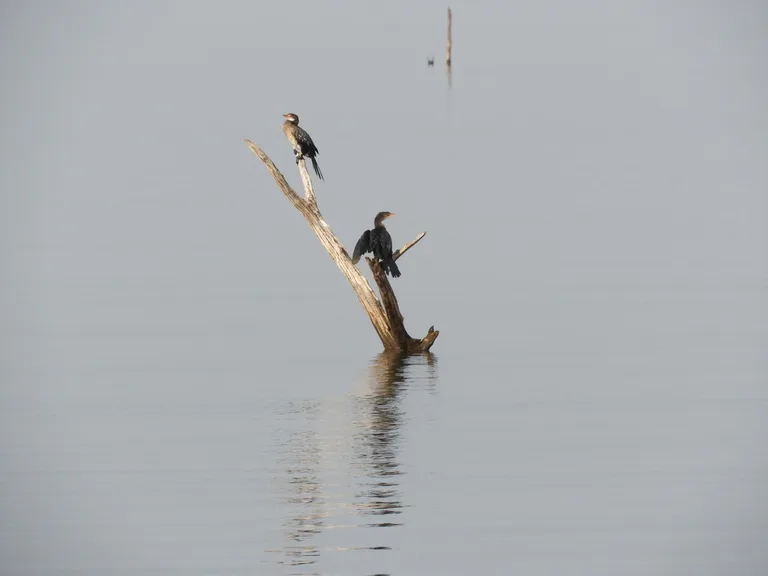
301, 141
430, 62
379, 243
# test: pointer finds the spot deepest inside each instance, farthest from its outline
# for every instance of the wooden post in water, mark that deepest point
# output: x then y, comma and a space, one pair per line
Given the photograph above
449, 44
448, 48
386, 319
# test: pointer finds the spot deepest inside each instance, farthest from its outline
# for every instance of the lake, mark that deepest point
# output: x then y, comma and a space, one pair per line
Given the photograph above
189, 385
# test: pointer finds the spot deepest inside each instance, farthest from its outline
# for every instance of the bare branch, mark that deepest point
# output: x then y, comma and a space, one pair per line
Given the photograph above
309, 191
276, 174
408, 246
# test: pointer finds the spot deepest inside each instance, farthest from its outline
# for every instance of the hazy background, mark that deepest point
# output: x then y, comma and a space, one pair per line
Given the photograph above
189, 383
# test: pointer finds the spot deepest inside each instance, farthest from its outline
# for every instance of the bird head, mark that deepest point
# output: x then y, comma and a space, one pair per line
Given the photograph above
293, 118
381, 216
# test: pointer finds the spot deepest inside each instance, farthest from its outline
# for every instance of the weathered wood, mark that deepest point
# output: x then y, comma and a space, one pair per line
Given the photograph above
407, 247
309, 191
386, 319
392, 309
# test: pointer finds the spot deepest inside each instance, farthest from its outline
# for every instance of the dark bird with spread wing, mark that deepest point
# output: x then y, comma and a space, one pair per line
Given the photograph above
379, 243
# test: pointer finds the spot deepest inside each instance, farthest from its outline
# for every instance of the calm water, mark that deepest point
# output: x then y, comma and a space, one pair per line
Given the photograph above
404, 469
189, 386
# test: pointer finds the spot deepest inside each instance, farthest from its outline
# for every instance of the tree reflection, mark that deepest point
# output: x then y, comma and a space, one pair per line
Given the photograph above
303, 454
378, 444
327, 485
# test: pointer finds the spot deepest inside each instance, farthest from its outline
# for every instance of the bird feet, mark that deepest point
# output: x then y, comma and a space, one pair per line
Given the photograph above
298, 155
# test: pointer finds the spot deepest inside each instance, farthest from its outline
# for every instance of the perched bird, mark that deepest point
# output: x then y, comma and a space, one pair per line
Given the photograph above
430, 61
379, 243
301, 141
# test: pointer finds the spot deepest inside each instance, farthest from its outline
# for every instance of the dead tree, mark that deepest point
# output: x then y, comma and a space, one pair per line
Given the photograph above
385, 314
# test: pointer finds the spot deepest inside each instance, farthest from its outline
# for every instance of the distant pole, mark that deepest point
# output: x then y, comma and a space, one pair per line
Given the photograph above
449, 44
385, 314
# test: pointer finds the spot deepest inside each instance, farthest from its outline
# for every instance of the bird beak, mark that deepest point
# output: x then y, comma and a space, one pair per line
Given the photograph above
392, 214
285, 115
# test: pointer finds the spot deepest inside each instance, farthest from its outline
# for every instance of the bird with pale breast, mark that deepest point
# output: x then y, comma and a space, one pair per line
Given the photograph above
301, 141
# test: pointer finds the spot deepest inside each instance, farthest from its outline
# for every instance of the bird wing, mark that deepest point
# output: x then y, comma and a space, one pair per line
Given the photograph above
363, 245
306, 141
385, 244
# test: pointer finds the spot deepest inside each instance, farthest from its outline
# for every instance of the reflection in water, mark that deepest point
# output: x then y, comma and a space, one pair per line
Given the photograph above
341, 467
376, 446
303, 458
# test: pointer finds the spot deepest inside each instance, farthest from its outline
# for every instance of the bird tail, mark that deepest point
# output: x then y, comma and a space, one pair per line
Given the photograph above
389, 265
316, 166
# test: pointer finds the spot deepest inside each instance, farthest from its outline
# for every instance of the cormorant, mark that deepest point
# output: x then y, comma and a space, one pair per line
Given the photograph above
379, 243
301, 141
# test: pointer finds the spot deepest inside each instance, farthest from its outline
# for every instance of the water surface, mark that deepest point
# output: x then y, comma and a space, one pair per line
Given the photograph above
190, 387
